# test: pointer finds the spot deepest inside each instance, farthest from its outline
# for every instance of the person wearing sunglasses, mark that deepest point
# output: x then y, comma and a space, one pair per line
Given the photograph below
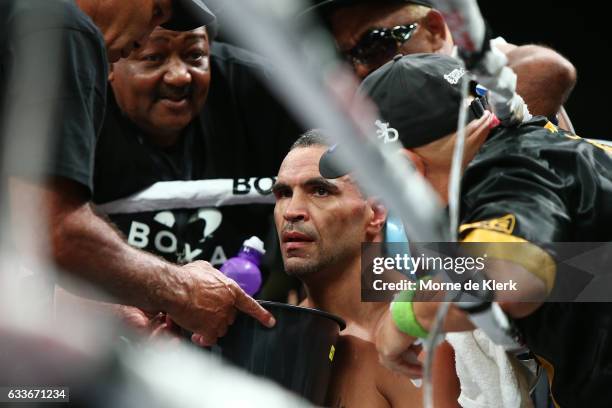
370, 33
526, 189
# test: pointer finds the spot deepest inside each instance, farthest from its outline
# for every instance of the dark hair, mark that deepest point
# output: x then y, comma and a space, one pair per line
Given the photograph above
313, 137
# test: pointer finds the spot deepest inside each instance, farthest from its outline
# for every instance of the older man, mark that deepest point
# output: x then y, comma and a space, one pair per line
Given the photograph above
370, 33
321, 225
197, 296
189, 149
196, 136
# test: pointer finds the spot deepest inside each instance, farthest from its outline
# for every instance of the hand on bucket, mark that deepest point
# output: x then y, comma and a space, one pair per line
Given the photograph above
209, 303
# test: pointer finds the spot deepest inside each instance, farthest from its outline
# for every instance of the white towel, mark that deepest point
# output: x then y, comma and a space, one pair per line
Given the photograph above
489, 377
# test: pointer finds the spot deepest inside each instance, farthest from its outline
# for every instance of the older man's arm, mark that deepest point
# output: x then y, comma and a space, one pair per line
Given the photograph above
197, 296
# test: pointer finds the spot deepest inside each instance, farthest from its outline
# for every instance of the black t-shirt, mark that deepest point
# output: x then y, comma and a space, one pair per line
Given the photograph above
542, 185
53, 71
201, 198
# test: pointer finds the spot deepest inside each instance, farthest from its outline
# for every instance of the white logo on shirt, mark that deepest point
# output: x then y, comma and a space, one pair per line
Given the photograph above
165, 241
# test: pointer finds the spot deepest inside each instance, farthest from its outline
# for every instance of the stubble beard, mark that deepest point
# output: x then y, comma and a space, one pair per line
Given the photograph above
311, 267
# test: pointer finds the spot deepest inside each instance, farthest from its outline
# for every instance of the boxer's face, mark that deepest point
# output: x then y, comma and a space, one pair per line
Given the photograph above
125, 23
320, 223
163, 85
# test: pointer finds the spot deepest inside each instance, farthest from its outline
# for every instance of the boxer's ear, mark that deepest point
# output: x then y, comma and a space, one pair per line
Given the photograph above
378, 216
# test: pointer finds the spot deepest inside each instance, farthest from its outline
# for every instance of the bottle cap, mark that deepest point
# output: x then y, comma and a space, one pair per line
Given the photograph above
255, 243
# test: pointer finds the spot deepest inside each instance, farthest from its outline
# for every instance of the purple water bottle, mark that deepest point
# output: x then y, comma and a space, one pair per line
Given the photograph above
244, 267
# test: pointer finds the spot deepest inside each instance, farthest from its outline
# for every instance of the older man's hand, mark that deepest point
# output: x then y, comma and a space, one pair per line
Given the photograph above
396, 350
209, 302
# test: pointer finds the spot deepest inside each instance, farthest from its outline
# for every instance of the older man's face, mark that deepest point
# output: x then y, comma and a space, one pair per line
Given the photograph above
163, 85
320, 223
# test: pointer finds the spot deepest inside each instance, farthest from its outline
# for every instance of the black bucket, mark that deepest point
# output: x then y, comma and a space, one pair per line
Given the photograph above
297, 353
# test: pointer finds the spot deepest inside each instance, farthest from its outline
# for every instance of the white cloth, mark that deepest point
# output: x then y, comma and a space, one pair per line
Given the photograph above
489, 377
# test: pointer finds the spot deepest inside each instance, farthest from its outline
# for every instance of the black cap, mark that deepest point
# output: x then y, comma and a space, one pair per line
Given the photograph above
188, 15
418, 97
324, 7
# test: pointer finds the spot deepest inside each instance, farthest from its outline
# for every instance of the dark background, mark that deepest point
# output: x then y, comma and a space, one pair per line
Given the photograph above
580, 32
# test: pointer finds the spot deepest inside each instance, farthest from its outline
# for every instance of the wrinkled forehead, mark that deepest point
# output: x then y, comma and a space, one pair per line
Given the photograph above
161, 34
301, 163
301, 166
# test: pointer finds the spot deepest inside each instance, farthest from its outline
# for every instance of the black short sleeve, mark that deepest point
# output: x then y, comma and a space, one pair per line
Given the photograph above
543, 185
57, 69
512, 189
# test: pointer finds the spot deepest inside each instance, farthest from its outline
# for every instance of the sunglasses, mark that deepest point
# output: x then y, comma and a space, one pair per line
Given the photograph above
380, 45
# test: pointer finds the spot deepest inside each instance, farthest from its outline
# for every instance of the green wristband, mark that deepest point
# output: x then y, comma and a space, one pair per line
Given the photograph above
404, 317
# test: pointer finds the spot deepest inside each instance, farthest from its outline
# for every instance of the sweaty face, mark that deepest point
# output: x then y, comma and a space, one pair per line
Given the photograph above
320, 223
126, 23
350, 25
163, 85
